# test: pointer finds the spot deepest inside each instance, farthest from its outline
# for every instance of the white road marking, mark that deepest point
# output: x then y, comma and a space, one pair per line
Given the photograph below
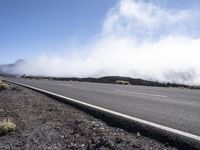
138, 93
155, 125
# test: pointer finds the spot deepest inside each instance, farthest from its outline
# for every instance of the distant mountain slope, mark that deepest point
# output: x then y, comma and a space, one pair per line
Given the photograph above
10, 69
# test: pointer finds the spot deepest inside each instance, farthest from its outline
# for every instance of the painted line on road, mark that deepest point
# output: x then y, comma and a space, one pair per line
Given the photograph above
65, 84
139, 93
155, 125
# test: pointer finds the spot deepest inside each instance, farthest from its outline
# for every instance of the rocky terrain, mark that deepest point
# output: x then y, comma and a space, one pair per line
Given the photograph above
44, 123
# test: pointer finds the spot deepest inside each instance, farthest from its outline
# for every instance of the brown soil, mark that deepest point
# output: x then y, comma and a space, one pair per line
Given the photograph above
44, 123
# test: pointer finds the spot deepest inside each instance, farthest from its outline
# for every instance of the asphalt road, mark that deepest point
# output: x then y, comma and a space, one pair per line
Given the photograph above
172, 107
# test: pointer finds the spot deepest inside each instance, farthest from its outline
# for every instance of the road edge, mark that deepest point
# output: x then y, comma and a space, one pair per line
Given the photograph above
177, 138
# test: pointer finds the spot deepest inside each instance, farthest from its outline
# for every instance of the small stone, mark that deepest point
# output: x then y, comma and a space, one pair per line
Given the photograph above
72, 145
118, 140
136, 146
138, 134
101, 128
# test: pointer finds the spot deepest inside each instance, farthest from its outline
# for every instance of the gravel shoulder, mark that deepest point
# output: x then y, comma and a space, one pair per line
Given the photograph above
44, 123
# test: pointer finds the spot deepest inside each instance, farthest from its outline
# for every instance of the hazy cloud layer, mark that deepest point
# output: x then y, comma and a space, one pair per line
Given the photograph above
138, 39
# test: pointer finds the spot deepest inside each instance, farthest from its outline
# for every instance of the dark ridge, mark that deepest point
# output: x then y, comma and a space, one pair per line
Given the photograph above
114, 80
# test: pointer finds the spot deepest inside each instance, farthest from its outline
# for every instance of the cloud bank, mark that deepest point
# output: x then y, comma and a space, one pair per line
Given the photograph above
138, 39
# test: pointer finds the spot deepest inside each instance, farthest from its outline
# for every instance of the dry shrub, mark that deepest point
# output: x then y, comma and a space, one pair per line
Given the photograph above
7, 126
122, 82
3, 86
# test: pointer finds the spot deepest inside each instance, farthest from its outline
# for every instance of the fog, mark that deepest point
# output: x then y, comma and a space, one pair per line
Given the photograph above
138, 39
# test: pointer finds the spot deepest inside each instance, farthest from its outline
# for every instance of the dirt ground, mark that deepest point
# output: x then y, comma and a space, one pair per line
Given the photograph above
45, 124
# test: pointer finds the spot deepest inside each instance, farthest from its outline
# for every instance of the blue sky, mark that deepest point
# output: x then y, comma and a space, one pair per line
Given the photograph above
29, 28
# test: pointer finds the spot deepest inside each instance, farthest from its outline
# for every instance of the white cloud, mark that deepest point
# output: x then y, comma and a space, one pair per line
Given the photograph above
138, 39
129, 15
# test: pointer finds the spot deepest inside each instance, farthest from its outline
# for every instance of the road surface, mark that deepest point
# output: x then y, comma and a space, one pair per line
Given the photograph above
172, 107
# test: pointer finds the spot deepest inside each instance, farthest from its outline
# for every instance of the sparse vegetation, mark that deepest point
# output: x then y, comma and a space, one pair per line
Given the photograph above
3, 86
122, 82
7, 126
